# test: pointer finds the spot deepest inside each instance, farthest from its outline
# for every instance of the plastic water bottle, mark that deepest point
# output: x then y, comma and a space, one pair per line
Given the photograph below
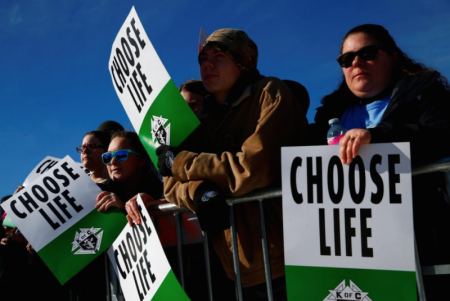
336, 132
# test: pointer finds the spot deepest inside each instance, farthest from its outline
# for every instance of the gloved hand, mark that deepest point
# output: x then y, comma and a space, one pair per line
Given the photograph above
212, 210
166, 155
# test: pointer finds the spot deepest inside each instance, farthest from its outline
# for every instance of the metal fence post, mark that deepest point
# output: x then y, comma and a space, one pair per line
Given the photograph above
108, 280
419, 279
265, 252
237, 269
207, 265
177, 216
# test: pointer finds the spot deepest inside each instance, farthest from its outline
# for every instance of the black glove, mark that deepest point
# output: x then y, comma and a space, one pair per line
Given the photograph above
166, 155
212, 210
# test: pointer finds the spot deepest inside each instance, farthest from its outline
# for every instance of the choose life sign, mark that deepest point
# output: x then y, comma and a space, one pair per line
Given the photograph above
56, 213
348, 229
156, 109
141, 265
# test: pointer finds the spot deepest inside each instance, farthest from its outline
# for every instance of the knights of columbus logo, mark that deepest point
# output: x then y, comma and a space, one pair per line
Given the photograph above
87, 240
161, 134
347, 293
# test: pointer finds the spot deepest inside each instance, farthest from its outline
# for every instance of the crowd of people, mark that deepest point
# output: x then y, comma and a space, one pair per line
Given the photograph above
246, 118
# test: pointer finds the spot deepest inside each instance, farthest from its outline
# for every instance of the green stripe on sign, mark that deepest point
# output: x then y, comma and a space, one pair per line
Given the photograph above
170, 105
58, 254
170, 289
315, 283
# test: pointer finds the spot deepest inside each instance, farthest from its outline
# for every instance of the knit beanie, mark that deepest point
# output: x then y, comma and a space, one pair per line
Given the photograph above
236, 44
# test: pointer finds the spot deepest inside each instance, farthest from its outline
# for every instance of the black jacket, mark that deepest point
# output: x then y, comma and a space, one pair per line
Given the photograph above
418, 112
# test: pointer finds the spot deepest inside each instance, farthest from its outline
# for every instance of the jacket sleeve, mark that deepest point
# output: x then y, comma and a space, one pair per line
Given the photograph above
281, 122
180, 193
428, 133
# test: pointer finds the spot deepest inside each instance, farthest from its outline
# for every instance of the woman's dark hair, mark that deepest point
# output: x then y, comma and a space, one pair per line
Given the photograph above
134, 141
405, 65
194, 86
104, 138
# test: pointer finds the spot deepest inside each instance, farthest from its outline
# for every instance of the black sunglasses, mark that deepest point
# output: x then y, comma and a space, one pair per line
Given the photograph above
367, 53
88, 147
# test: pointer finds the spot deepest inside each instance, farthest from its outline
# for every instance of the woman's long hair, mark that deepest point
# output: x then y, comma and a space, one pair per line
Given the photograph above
405, 65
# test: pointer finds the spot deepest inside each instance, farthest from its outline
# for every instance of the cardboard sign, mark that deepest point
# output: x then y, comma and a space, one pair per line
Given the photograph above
141, 265
348, 229
45, 165
40, 169
156, 109
56, 213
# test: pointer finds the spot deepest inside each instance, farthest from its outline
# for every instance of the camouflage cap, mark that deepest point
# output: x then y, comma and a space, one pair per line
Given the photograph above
236, 44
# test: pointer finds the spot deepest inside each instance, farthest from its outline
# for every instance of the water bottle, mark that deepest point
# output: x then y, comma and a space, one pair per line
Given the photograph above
336, 132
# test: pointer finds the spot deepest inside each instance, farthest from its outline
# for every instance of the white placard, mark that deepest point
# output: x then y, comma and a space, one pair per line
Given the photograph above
367, 205
138, 258
137, 73
53, 202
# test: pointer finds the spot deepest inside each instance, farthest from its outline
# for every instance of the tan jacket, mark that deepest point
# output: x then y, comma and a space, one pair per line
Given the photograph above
249, 138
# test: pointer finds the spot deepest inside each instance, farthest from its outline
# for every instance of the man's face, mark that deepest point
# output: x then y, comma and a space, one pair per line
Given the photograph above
218, 71
194, 100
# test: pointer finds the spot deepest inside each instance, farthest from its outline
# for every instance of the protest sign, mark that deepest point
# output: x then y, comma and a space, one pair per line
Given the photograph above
56, 213
141, 265
201, 39
348, 229
45, 165
156, 109
8, 222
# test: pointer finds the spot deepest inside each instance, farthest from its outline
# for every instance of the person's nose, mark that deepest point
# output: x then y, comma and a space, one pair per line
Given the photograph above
207, 64
357, 61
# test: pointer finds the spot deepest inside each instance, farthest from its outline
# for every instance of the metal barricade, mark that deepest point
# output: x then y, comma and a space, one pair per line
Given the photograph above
262, 194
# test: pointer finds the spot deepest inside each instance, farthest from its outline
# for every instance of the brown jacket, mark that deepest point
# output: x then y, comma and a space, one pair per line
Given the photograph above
241, 151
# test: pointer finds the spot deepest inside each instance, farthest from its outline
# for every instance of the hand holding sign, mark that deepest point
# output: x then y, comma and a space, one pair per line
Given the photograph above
153, 103
140, 262
57, 214
355, 220
351, 143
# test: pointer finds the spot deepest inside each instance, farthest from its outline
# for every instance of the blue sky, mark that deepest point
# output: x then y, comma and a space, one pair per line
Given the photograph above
55, 84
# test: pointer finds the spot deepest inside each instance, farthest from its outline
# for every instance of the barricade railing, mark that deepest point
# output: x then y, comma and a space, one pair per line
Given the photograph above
262, 194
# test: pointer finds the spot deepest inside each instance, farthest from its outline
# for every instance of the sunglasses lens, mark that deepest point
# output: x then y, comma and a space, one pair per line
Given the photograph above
346, 59
107, 157
368, 53
121, 155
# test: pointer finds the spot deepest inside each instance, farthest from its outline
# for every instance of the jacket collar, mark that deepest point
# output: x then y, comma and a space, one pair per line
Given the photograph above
408, 88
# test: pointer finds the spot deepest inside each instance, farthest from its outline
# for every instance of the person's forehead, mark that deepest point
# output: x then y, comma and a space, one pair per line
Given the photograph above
211, 51
119, 143
90, 139
357, 41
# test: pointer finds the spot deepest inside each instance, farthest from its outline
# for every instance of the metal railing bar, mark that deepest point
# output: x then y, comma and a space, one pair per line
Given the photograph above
108, 280
447, 184
177, 216
441, 269
207, 265
257, 194
237, 269
265, 252
419, 279
440, 165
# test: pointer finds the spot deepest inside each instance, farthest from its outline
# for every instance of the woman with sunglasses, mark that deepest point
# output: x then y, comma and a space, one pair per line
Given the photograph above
130, 172
387, 97
94, 144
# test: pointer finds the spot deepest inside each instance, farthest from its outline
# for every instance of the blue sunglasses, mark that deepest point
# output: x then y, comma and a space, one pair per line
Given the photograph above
121, 155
